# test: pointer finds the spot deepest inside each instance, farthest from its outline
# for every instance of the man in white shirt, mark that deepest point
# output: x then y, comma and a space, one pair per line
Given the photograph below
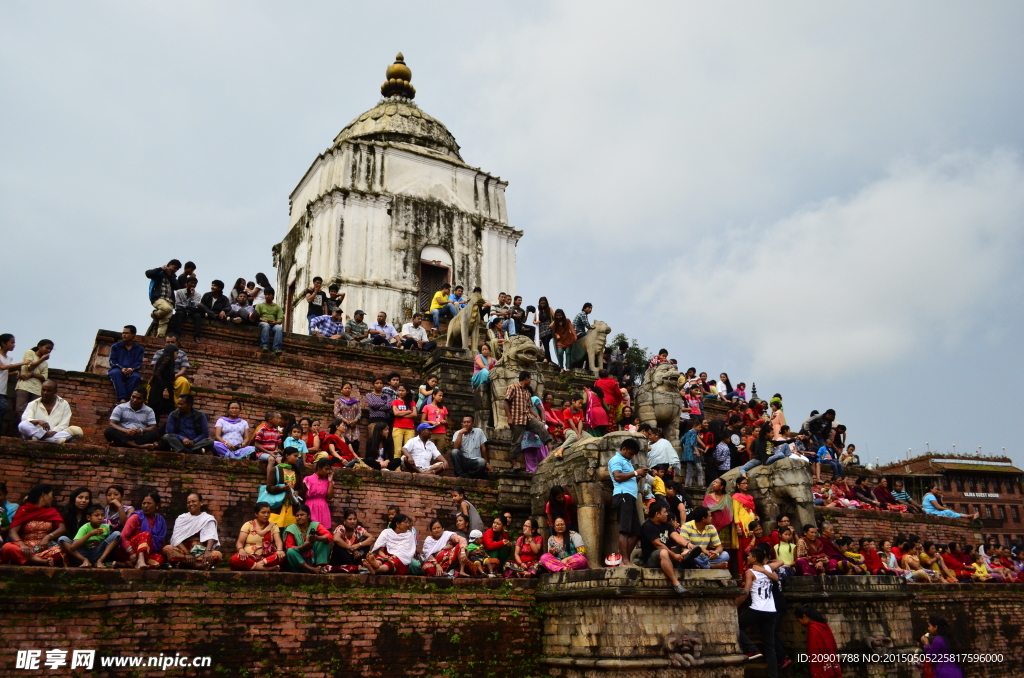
47, 418
186, 306
661, 450
133, 424
414, 336
420, 455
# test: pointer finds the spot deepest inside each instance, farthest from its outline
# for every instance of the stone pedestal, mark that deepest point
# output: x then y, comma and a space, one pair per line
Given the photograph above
613, 622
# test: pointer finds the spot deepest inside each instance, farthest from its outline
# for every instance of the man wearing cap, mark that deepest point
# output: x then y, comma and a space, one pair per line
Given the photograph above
420, 455
329, 326
357, 329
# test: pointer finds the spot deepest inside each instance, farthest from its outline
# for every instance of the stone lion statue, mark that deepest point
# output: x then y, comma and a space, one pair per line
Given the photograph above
466, 323
519, 354
591, 347
658, 400
782, 488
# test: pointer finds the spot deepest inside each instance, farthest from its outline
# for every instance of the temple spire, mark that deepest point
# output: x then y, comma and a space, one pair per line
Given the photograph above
398, 77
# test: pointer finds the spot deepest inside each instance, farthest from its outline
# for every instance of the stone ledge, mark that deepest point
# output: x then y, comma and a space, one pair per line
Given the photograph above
633, 582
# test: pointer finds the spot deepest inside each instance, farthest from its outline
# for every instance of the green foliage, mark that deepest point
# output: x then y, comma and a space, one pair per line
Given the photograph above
636, 355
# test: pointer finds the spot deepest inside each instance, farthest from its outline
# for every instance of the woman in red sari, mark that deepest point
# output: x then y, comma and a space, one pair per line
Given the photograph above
822, 651
144, 534
553, 418
35, 525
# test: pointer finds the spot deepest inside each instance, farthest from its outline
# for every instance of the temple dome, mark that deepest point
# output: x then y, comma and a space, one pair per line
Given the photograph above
398, 119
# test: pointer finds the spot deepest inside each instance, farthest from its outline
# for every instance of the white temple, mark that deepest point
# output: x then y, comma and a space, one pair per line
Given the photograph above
390, 212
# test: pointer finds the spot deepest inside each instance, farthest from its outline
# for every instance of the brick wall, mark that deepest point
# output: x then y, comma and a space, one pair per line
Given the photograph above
229, 487
884, 525
985, 618
270, 624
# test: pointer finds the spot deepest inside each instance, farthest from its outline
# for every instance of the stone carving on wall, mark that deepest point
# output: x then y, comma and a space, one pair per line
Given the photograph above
520, 354
591, 347
658, 400
783, 487
467, 323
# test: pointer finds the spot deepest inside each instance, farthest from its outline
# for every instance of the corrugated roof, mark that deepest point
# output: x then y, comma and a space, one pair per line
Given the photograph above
988, 468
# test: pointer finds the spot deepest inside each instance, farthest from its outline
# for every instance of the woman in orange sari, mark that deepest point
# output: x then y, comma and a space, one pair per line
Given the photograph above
35, 525
743, 514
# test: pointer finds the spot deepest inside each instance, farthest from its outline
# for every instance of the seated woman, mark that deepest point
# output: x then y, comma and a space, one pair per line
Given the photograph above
496, 541
862, 493
307, 544
932, 505
194, 541
394, 549
441, 551
144, 534
380, 450
872, 560
232, 437
483, 363
34, 530
334, 447
526, 556
951, 556
565, 550
310, 435
259, 546
318, 490
911, 562
351, 543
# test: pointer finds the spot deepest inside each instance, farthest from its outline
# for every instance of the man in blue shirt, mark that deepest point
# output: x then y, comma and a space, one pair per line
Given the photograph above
624, 494
187, 429
125, 360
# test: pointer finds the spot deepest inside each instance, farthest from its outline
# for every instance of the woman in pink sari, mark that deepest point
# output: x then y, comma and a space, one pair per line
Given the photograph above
597, 416
719, 505
319, 491
565, 550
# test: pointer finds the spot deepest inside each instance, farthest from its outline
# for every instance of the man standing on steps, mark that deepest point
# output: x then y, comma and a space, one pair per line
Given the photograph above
181, 367
521, 418
126, 358
271, 319
316, 299
624, 495
163, 282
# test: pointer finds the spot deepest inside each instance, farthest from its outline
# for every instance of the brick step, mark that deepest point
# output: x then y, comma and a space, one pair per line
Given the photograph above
312, 369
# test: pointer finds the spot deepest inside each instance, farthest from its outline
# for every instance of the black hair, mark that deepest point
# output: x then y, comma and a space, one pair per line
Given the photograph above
288, 451
218, 284
174, 262
399, 518
41, 343
323, 463
459, 489
809, 612
5, 337
191, 264
316, 277
120, 490
188, 398
942, 629
301, 508
70, 512
155, 496
524, 375
133, 329
698, 514
38, 491
392, 375
373, 445
348, 512
260, 505
587, 304
631, 445
435, 521
808, 528
93, 508
199, 496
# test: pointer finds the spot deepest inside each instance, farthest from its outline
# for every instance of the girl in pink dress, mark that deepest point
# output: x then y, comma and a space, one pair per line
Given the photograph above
319, 491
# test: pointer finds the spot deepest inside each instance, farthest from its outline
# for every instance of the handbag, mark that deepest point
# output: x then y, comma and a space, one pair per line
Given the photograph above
275, 499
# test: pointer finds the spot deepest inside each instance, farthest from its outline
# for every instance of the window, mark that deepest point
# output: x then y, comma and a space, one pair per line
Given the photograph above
946, 483
1011, 485
1015, 514
983, 484
988, 510
970, 484
1002, 511
977, 509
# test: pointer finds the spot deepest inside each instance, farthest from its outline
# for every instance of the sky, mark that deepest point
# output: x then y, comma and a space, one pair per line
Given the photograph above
826, 201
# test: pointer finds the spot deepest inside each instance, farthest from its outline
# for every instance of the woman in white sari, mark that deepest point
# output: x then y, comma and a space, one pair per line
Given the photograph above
441, 550
194, 542
394, 549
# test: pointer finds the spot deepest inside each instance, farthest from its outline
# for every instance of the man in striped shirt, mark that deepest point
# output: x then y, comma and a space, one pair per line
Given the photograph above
700, 532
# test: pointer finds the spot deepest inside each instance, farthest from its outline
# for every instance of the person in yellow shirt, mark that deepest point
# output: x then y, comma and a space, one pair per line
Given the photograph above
441, 303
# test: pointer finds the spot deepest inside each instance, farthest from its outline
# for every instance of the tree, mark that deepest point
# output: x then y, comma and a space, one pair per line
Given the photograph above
636, 355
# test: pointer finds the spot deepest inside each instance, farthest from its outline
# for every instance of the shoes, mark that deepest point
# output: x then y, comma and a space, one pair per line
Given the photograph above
751, 656
679, 589
264, 349
237, 321
278, 352
786, 664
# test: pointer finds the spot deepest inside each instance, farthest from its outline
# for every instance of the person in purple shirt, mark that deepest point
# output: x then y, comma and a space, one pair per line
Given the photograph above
937, 649
126, 359
187, 429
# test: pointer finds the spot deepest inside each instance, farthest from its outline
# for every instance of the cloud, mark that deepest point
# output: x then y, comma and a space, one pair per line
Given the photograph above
908, 263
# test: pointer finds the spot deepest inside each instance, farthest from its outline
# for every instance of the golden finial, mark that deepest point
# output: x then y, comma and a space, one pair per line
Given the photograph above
398, 76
